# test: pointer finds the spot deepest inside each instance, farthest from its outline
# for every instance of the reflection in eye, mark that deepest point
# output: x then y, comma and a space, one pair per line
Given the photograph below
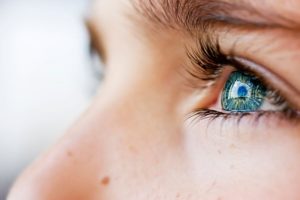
243, 93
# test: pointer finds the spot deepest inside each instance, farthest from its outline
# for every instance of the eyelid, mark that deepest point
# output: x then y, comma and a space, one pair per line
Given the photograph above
290, 93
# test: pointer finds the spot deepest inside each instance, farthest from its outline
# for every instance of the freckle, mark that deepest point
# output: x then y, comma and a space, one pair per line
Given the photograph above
219, 151
177, 195
132, 149
232, 166
105, 180
70, 154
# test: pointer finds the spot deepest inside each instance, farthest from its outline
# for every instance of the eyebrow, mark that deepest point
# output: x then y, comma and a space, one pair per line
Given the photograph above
203, 14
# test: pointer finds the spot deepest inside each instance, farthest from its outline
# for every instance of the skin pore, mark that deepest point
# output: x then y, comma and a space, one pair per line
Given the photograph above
140, 138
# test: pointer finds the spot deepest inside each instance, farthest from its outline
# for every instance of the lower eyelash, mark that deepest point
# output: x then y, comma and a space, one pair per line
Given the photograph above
212, 115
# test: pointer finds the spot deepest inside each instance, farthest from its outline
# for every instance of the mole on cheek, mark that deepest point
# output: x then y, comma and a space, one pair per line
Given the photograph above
105, 180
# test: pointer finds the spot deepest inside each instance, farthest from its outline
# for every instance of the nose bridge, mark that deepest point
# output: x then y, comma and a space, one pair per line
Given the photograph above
78, 166
73, 168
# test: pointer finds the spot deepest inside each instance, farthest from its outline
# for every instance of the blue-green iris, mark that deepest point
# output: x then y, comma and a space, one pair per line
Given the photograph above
243, 93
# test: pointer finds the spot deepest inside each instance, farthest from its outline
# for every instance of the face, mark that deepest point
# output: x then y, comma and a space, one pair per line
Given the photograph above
200, 100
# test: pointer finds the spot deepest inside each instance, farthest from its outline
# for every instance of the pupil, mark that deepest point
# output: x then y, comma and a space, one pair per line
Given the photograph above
242, 91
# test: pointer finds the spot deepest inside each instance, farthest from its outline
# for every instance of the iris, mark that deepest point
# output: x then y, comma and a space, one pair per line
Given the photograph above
243, 93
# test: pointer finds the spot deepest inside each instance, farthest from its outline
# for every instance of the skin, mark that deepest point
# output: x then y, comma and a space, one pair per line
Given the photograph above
135, 141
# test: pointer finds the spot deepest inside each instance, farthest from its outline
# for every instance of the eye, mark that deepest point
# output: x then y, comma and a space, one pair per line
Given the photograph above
243, 93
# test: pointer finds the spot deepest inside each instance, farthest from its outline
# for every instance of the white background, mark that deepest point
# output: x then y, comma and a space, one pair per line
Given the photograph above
46, 77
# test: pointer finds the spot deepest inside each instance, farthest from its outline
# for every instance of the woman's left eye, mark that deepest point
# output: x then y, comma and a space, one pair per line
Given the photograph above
243, 93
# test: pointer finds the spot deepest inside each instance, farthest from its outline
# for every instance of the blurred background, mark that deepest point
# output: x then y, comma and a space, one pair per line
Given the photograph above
47, 78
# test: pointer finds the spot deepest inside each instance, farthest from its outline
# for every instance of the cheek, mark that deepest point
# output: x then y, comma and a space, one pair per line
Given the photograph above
258, 157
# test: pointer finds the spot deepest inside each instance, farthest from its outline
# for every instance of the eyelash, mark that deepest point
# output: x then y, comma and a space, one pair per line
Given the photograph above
210, 62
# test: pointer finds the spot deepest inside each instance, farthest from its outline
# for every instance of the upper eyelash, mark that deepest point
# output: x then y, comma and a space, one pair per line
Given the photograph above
208, 59
209, 62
